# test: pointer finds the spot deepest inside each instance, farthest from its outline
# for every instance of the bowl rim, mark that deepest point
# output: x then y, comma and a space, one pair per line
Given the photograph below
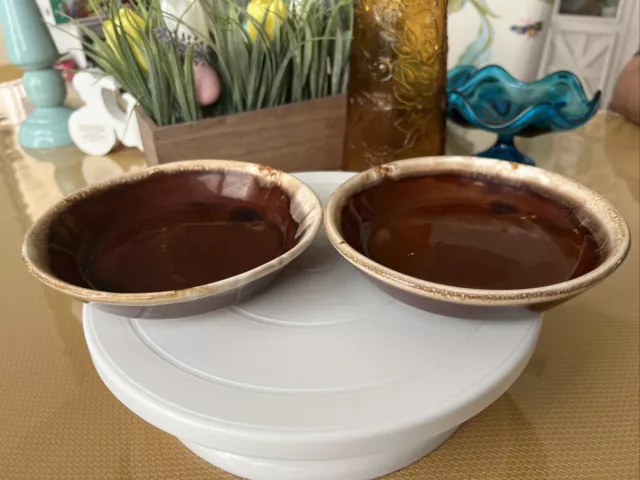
611, 221
290, 185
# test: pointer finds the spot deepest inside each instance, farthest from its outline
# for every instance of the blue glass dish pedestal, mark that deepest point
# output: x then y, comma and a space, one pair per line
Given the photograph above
29, 45
505, 149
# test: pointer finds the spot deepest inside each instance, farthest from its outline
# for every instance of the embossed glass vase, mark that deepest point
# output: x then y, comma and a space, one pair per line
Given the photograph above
397, 82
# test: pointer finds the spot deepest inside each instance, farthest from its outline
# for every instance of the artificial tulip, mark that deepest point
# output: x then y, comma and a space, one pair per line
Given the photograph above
186, 18
268, 13
130, 24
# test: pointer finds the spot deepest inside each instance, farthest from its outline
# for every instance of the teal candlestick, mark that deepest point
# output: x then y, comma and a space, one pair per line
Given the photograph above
29, 46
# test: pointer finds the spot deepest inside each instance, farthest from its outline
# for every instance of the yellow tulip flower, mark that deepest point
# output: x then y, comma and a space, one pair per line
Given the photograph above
268, 13
130, 24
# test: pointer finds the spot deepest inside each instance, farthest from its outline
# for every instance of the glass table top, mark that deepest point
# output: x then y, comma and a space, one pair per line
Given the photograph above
573, 414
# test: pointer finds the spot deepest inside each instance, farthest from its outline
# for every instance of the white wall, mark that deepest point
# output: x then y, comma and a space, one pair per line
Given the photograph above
518, 53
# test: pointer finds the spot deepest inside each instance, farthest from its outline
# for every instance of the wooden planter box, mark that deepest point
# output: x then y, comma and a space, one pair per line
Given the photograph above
296, 137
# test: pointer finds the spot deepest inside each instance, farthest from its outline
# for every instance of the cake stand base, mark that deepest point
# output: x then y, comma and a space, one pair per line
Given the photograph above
363, 467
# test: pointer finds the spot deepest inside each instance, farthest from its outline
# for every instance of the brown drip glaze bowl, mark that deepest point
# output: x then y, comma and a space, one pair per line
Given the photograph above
174, 240
463, 235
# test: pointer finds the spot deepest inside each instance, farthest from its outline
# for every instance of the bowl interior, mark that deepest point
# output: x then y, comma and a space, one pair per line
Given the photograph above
468, 230
169, 230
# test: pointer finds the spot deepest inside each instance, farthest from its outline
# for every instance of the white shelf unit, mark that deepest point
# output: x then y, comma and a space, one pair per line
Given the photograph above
596, 48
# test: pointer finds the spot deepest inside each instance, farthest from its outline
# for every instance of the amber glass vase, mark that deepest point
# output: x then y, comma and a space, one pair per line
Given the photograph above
397, 82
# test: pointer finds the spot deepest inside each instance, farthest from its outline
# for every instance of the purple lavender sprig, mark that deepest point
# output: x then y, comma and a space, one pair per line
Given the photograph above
201, 52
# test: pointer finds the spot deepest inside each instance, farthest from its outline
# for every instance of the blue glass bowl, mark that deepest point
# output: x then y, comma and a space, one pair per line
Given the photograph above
492, 100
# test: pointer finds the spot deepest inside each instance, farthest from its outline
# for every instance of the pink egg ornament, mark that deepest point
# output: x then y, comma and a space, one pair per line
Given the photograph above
207, 84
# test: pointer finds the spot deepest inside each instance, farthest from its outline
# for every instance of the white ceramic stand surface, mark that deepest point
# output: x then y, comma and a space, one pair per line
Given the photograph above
320, 377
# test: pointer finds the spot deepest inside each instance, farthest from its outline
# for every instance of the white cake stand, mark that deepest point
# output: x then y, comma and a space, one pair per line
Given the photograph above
321, 377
